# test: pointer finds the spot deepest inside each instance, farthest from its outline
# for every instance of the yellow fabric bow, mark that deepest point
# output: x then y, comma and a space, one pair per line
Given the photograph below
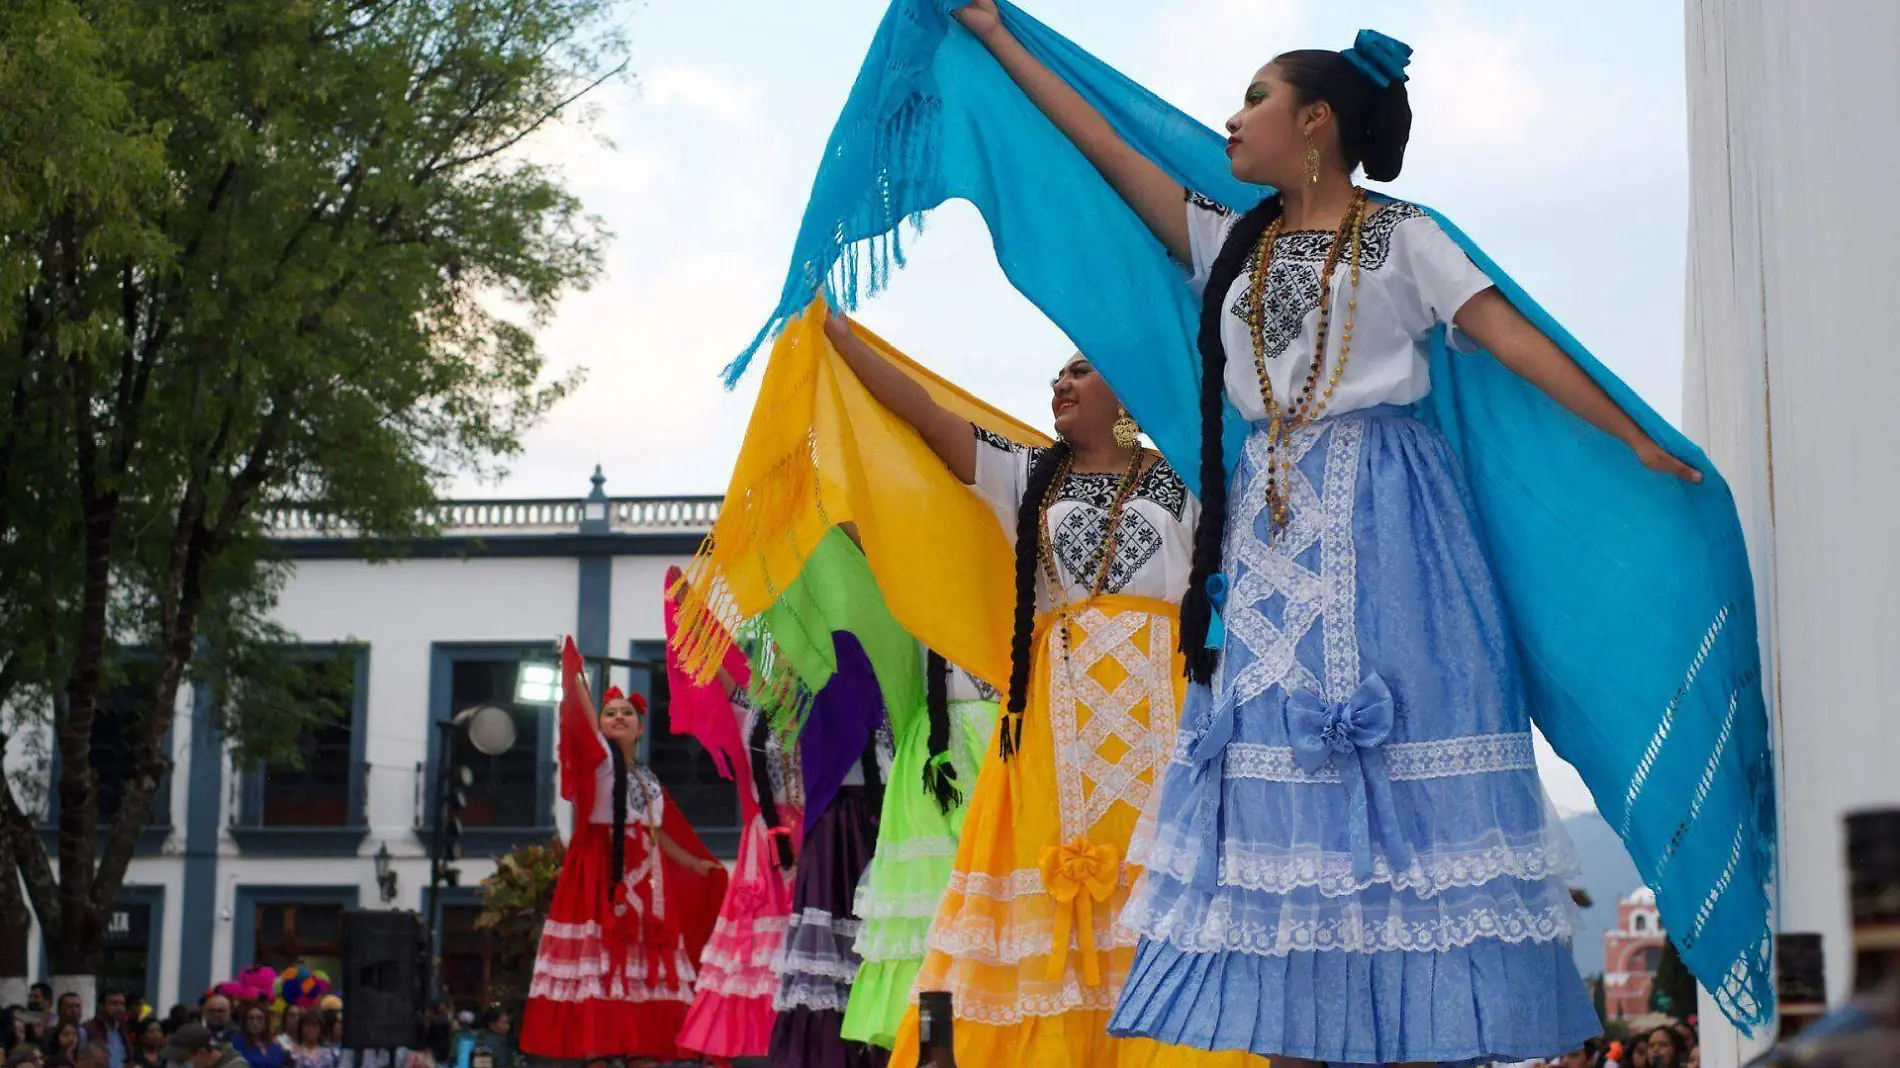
1078, 873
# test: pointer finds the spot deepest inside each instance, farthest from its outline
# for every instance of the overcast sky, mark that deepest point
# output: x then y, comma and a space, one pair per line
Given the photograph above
1553, 134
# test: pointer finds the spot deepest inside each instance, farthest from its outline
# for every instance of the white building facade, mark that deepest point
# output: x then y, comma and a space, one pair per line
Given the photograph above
246, 864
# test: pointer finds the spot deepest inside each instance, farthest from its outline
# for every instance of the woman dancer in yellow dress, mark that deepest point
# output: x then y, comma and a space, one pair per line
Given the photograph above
1026, 938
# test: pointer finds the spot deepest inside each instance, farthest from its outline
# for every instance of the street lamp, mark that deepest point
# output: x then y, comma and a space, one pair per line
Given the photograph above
491, 731
385, 874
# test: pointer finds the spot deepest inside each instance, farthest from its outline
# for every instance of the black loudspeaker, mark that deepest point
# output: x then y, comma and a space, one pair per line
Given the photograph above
382, 979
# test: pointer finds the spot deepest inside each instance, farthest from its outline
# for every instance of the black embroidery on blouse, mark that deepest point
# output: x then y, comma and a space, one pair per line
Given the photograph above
984, 691
1078, 540
1293, 280
1206, 204
1159, 485
996, 441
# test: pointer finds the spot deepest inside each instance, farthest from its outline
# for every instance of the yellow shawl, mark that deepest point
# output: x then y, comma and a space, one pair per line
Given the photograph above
820, 452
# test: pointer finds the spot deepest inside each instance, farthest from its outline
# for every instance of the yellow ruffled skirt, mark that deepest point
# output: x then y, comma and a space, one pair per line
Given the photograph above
1026, 939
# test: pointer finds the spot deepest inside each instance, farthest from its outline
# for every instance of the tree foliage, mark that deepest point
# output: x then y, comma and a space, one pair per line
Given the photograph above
1674, 989
255, 255
515, 901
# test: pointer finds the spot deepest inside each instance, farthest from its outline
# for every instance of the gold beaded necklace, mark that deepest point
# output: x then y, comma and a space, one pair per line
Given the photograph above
1310, 404
1104, 563
1105, 553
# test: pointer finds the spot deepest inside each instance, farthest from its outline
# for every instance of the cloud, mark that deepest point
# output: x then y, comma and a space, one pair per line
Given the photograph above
1204, 52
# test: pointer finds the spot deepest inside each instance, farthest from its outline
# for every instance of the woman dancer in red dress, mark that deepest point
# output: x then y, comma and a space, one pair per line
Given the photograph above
614, 973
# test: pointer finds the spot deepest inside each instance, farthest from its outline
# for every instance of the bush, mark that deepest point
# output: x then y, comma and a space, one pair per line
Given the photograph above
515, 901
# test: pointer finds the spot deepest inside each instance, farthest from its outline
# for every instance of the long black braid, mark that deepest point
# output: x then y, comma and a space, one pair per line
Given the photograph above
940, 775
619, 846
1197, 611
1028, 547
759, 757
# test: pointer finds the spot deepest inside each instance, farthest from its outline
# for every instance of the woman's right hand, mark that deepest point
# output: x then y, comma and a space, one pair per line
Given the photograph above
980, 17
837, 328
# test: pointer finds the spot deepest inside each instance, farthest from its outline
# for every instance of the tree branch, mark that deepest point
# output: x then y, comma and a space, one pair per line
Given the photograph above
22, 838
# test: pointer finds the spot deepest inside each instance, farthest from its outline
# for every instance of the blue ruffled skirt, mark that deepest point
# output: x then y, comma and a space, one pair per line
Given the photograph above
1352, 859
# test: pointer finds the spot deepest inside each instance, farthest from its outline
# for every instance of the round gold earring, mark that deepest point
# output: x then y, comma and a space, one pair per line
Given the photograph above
1127, 434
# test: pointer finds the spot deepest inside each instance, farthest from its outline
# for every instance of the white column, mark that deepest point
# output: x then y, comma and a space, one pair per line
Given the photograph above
1793, 383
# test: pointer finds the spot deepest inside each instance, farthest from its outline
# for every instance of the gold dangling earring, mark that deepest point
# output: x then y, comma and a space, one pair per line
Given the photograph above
1127, 434
1312, 162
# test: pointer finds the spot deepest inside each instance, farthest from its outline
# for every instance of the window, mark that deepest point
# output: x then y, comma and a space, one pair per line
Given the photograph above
512, 797
504, 791
709, 801
327, 790
130, 962
115, 726
318, 807
113, 751
308, 935
475, 971
1639, 923
278, 926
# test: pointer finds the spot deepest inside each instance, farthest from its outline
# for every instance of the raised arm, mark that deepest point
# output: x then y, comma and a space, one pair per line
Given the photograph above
949, 435
1491, 321
1156, 197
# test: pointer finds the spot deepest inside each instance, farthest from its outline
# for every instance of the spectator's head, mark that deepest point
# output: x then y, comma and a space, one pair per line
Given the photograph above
1687, 1029
496, 1021
1695, 1057
309, 1030
98, 1055
1666, 1049
254, 1024
39, 997
63, 1038
293, 1014
112, 1006
12, 1027
192, 1047
70, 1009
151, 1033
216, 1010
25, 1056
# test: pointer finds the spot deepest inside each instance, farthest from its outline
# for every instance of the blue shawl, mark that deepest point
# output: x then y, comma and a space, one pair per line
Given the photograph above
1629, 591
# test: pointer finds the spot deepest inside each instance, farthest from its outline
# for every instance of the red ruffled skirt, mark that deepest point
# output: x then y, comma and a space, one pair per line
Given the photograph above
606, 984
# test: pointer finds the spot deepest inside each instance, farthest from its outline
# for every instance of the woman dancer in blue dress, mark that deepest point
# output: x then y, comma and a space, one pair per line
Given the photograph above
1353, 861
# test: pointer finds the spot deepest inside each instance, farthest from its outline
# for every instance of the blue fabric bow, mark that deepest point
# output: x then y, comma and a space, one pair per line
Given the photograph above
1208, 754
1217, 616
1349, 733
1381, 58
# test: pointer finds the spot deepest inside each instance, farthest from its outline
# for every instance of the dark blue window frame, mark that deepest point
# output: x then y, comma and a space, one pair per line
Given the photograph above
246, 898
158, 826
248, 829
488, 841
684, 756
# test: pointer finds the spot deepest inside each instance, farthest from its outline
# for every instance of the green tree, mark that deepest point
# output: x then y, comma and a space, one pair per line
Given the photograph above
1598, 999
255, 255
1673, 991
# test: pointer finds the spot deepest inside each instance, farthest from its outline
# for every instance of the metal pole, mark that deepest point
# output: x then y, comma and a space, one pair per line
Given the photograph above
438, 848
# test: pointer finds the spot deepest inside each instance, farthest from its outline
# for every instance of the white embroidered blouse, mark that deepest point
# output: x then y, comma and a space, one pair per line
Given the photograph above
1154, 545
1413, 278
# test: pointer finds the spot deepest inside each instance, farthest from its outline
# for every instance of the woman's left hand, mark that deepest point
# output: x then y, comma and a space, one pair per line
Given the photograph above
1656, 458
